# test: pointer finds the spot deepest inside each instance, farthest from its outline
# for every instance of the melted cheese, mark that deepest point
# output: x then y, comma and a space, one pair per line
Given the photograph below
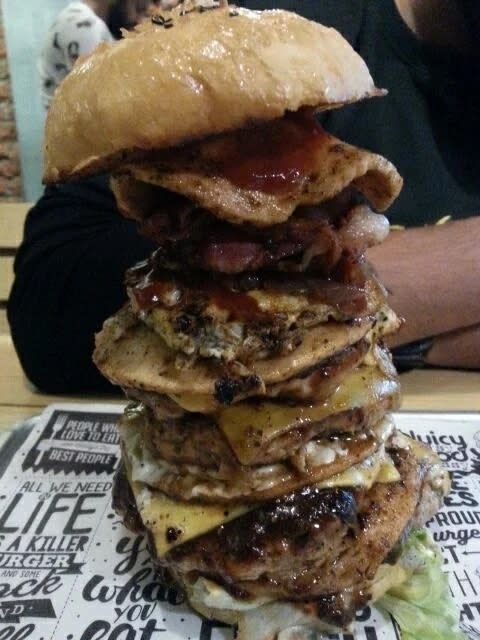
283, 303
247, 426
195, 402
378, 467
205, 403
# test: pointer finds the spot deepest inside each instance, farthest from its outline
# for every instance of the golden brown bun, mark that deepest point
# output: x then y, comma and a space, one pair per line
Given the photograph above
214, 71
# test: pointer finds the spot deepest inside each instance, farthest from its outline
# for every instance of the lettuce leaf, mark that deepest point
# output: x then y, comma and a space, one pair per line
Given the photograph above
422, 606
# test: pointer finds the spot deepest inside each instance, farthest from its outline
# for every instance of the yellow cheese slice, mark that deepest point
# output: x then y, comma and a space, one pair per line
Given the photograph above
247, 425
195, 402
172, 522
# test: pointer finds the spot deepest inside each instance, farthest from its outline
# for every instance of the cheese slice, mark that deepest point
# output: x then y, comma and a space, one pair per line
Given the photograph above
247, 425
172, 522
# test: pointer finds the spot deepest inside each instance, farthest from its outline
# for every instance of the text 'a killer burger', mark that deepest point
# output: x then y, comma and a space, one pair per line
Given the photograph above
258, 451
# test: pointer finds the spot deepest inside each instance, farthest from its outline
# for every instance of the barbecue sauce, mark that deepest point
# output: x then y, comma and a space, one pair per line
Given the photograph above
274, 157
151, 287
239, 306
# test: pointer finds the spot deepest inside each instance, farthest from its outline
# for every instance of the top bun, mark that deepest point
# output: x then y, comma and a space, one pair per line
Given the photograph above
212, 72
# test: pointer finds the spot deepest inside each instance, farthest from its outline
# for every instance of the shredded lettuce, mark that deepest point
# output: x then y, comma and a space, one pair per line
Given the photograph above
422, 605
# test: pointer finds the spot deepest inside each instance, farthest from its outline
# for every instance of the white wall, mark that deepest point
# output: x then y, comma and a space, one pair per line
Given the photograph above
26, 23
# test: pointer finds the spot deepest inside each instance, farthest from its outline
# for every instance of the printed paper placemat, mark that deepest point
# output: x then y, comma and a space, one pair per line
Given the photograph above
69, 570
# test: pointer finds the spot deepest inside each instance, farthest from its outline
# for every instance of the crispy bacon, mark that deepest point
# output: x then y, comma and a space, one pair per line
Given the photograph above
314, 239
172, 223
198, 241
230, 256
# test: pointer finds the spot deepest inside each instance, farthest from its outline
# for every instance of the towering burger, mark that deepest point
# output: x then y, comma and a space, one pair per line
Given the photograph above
258, 451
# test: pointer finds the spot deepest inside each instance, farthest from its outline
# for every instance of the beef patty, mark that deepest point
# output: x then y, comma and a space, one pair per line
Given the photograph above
310, 543
318, 547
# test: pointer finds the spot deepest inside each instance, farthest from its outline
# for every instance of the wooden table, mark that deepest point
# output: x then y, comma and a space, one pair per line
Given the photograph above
423, 390
18, 399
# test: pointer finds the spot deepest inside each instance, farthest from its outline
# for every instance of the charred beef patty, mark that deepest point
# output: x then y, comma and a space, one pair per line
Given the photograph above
319, 460
309, 543
318, 547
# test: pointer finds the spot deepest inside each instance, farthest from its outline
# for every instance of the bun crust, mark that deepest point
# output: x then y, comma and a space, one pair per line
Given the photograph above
214, 71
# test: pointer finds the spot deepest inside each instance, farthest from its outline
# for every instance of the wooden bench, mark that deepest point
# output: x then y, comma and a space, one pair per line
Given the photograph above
12, 219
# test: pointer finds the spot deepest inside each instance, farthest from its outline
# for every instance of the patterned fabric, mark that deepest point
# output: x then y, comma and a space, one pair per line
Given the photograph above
75, 32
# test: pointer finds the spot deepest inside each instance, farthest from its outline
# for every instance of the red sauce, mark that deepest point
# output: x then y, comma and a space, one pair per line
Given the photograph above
148, 295
243, 307
240, 306
275, 157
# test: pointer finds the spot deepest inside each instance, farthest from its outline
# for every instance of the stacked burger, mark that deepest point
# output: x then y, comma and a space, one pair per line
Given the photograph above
258, 450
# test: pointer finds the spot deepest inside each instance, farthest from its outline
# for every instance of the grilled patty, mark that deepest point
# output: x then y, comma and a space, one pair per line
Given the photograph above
313, 385
129, 354
209, 173
317, 461
309, 543
319, 548
255, 450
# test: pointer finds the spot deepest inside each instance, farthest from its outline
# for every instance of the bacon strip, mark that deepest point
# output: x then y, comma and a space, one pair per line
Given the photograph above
194, 239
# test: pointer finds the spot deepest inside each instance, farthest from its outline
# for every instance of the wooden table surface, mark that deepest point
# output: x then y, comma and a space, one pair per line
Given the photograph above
423, 390
18, 399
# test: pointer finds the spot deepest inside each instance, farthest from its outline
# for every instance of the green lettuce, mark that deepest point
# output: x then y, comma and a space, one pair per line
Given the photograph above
422, 605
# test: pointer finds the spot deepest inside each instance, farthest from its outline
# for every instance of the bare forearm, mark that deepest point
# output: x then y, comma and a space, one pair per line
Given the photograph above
459, 349
433, 275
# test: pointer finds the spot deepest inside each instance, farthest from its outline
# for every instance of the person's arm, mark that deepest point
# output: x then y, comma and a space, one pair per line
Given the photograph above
433, 275
69, 275
457, 349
